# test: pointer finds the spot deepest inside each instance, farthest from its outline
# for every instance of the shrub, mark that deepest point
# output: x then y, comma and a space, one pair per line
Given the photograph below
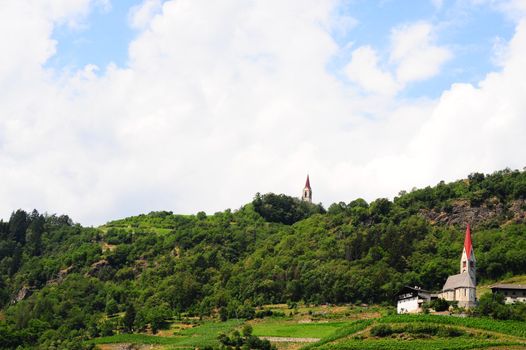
381, 330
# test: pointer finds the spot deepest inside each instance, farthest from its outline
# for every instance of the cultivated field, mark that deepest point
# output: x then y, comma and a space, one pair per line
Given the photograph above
342, 328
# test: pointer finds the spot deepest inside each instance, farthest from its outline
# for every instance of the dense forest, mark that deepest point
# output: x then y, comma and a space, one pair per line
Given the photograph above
60, 281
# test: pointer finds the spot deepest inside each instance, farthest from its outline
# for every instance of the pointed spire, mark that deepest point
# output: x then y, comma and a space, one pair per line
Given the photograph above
307, 183
467, 242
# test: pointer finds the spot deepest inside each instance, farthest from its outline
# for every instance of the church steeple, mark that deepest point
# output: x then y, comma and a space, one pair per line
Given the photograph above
467, 262
307, 192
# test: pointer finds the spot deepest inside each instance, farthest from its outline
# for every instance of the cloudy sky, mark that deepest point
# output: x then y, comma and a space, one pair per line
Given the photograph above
114, 108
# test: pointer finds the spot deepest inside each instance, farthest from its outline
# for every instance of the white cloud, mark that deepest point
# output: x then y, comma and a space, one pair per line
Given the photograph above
363, 69
514, 9
479, 127
140, 15
222, 100
416, 57
413, 57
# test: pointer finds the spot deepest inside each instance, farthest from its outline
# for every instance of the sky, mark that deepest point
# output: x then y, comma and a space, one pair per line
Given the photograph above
114, 108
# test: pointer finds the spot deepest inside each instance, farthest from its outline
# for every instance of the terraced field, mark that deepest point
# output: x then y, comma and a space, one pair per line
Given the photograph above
345, 329
429, 332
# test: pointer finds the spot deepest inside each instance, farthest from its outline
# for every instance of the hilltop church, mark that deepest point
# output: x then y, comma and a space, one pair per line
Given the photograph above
306, 196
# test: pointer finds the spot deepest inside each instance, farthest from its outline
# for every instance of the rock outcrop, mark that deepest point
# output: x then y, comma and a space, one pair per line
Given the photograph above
489, 213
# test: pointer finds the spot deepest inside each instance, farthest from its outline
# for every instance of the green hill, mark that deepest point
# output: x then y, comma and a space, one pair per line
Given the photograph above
60, 282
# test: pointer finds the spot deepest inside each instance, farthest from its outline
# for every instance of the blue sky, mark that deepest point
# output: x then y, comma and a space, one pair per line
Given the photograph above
469, 31
102, 38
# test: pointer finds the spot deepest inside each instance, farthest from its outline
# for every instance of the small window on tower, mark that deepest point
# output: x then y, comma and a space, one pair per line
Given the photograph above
464, 264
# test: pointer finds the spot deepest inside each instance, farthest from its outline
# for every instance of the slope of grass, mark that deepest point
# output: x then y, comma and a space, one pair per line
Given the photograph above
286, 328
514, 328
409, 333
200, 336
345, 331
417, 344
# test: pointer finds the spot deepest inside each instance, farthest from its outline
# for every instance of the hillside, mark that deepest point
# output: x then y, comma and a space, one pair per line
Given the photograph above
60, 281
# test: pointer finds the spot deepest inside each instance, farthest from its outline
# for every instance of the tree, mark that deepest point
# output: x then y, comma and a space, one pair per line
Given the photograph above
111, 307
16, 261
18, 224
247, 330
34, 233
129, 318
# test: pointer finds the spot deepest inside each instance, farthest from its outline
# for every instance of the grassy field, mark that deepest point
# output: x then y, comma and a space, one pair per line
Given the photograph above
294, 329
429, 332
514, 328
203, 335
417, 344
346, 328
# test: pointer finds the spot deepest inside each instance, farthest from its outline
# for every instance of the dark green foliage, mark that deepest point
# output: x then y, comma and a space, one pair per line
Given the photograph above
284, 209
381, 330
416, 330
129, 318
139, 273
493, 305
245, 341
439, 304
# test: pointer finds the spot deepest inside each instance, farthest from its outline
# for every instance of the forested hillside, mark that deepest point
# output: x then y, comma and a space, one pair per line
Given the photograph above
59, 281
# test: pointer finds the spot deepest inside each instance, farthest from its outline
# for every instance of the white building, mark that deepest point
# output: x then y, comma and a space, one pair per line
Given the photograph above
410, 300
462, 287
512, 292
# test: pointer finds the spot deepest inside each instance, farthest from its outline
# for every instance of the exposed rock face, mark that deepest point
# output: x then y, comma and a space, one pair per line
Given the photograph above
22, 294
60, 276
140, 265
97, 267
489, 212
63, 273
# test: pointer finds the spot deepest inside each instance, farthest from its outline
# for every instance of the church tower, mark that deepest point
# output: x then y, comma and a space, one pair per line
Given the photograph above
467, 261
307, 192
463, 287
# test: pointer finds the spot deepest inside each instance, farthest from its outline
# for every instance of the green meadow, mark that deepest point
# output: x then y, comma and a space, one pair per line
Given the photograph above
343, 329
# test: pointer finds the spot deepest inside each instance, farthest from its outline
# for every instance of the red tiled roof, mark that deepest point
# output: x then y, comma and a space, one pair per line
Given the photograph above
467, 242
307, 184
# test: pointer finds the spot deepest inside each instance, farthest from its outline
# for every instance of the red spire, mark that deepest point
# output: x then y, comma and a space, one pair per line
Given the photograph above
307, 183
467, 242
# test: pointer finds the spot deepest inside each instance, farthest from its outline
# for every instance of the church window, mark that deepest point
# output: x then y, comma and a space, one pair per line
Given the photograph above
464, 264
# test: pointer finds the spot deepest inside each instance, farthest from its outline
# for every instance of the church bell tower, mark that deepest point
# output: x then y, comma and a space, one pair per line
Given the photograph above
307, 192
467, 262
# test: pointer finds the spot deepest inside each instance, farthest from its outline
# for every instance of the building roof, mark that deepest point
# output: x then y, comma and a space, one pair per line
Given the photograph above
508, 286
462, 280
467, 242
415, 289
307, 183
412, 291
